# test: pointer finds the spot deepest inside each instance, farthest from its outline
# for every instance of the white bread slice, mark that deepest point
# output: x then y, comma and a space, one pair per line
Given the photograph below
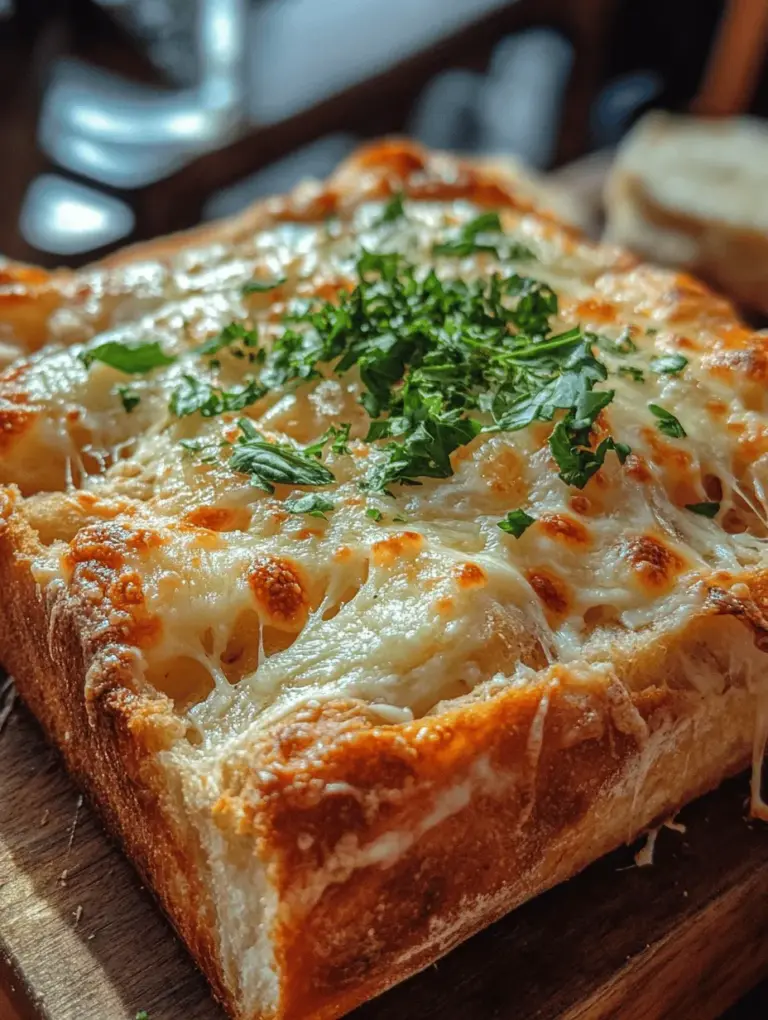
693, 193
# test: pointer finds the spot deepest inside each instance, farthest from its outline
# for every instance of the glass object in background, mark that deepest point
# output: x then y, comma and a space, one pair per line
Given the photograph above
166, 31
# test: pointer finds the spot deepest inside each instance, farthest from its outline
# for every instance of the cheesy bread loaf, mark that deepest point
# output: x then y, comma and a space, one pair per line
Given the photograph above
378, 559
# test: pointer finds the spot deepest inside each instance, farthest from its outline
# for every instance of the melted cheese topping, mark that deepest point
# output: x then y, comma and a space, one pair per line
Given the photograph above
241, 611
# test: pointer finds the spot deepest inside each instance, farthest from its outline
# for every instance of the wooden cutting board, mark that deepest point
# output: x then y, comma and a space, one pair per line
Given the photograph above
684, 938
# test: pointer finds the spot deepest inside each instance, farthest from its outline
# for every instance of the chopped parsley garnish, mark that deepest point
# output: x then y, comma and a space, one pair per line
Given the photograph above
424, 452
704, 509
474, 236
261, 286
142, 1015
393, 210
131, 359
274, 463
194, 394
430, 352
315, 504
622, 345
636, 374
667, 422
516, 522
340, 436
577, 461
668, 364
128, 397
374, 513
231, 334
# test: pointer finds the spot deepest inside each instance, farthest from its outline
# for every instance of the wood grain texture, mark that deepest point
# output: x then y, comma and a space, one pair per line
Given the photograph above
684, 938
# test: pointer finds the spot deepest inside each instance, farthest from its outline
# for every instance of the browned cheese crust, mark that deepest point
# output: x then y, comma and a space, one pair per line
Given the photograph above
383, 844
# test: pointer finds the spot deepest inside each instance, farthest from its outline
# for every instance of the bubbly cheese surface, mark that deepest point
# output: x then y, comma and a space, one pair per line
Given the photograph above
409, 598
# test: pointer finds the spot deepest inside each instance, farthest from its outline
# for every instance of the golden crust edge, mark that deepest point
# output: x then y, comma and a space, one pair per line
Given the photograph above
102, 753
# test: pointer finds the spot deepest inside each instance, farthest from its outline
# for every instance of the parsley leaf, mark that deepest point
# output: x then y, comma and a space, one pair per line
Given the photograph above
667, 422
704, 509
578, 462
339, 435
669, 364
633, 373
274, 463
131, 359
261, 286
516, 522
424, 452
230, 334
128, 397
315, 504
142, 1015
374, 513
468, 240
194, 394
393, 210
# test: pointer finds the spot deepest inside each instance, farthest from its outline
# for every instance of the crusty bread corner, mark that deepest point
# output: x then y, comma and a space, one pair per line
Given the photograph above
690, 192
405, 840
109, 736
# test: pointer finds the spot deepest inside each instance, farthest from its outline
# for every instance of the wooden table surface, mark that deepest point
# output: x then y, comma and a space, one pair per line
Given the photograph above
684, 938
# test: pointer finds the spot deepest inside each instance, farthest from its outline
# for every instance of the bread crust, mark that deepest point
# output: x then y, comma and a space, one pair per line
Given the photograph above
383, 845
495, 801
107, 744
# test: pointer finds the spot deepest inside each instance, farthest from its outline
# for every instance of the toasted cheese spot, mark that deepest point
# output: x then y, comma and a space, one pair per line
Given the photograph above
655, 565
553, 592
126, 592
305, 533
566, 530
445, 605
591, 310
501, 469
144, 539
580, 504
203, 538
686, 343
280, 593
14, 422
400, 158
145, 630
666, 454
185, 680
97, 543
19, 274
717, 408
308, 208
216, 518
470, 575
404, 545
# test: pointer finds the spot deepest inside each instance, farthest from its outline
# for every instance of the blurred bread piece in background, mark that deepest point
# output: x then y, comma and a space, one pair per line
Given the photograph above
693, 193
